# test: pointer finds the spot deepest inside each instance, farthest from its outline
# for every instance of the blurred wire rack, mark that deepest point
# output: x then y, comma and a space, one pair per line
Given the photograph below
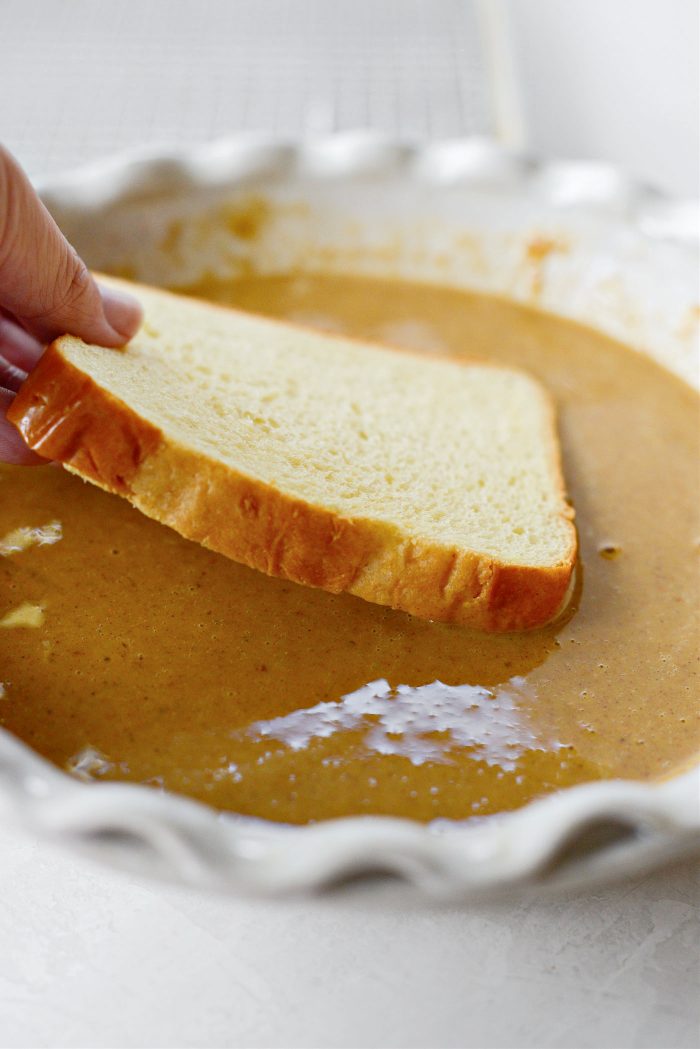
81, 78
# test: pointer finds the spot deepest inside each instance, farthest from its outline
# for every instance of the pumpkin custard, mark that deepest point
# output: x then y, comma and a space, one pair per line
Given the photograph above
127, 652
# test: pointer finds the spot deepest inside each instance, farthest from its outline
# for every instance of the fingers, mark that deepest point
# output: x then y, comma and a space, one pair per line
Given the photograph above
43, 282
45, 291
11, 377
18, 346
12, 447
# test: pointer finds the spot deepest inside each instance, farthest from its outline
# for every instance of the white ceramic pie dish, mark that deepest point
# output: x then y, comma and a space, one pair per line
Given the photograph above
579, 240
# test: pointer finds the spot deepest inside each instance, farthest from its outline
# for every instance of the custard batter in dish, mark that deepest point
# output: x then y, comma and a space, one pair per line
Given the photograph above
127, 652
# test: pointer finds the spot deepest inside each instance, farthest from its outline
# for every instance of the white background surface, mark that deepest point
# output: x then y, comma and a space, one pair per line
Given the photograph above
93, 958
609, 79
616, 80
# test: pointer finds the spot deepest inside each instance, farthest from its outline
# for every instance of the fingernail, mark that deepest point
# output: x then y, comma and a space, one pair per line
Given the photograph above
123, 311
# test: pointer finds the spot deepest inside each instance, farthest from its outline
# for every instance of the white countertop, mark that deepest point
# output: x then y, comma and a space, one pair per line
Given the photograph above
90, 957
100, 959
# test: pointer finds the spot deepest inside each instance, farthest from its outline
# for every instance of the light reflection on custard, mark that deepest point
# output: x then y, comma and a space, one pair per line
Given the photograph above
23, 538
433, 723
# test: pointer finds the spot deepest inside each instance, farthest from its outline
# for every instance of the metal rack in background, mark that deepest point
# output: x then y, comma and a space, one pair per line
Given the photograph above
82, 78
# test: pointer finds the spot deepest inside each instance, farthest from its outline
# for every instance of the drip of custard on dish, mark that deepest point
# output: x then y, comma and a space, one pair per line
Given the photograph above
127, 652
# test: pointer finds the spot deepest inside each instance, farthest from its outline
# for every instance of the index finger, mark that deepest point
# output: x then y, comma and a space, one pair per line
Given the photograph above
43, 282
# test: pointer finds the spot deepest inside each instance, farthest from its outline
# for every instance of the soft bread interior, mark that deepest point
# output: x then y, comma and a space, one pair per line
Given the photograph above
458, 454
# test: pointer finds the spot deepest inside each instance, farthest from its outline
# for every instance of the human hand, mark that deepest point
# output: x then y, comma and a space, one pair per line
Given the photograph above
45, 291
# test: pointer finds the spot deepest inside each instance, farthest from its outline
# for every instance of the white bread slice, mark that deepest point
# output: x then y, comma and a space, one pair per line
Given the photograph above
430, 485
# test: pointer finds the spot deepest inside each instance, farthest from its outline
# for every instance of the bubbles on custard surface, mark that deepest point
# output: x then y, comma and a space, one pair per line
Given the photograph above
609, 550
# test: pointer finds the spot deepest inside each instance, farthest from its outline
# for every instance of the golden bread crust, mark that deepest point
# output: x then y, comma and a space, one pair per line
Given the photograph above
64, 415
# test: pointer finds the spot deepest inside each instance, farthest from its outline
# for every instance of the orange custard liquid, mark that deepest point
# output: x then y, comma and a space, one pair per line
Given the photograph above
127, 652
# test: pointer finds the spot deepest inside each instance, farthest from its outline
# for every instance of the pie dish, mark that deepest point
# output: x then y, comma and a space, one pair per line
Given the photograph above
579, 241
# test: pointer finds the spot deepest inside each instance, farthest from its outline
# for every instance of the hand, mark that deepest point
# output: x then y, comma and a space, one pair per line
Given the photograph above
45, 291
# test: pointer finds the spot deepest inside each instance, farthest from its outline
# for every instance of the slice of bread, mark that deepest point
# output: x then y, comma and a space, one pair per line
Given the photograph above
430, 485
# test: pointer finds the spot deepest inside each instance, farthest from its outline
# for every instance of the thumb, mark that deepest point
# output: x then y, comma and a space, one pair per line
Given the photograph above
43, 282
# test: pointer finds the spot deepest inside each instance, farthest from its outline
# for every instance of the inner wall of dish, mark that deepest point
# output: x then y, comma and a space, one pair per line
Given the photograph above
595, 265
